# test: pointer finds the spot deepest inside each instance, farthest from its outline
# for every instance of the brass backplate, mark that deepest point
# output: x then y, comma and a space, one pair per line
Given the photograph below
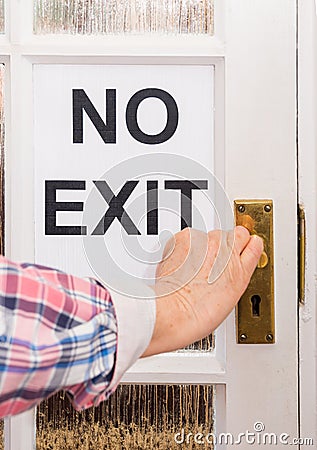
255, 311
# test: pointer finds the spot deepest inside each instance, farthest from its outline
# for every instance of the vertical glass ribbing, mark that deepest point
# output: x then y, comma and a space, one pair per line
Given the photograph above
123, 16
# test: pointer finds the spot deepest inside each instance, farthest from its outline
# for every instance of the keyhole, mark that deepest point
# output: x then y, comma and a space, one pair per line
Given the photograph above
256, 300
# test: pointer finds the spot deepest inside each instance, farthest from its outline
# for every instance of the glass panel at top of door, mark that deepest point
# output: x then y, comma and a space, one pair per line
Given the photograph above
121, 16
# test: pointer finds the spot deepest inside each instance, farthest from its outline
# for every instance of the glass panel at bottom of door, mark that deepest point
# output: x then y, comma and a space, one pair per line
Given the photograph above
162, 417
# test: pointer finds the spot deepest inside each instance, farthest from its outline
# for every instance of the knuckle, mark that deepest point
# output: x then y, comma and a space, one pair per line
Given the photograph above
214, 237
242, 232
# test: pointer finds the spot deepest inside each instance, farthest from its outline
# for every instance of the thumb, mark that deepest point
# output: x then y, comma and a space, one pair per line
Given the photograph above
251, 254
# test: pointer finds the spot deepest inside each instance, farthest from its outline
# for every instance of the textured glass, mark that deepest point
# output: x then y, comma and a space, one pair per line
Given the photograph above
1, 159
1, 435
1, 194
136, 417
204, 345
123, 16
2, 16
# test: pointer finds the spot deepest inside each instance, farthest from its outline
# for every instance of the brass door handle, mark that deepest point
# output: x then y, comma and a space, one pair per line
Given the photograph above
255, 322
250, 223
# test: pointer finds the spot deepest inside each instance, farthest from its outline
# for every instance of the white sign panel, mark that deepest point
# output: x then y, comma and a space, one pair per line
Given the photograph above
123, 158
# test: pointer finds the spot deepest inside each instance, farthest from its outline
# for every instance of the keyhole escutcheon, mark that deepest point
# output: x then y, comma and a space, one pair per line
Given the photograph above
255, 301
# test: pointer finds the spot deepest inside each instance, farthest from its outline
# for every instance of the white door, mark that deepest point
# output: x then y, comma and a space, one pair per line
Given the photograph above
246, 128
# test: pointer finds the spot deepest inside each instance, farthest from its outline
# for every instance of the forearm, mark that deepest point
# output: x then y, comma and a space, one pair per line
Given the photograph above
172, 318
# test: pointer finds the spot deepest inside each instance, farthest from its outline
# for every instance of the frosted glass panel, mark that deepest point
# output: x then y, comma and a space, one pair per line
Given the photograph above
1, 435
1, 159
123, 16
136, 417
1, 193
206, 345
2, 16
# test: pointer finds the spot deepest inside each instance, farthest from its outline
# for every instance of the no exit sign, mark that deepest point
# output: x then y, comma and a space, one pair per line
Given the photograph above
124, 157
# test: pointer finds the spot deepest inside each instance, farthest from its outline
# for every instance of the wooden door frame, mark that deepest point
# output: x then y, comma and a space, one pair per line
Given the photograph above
307, 176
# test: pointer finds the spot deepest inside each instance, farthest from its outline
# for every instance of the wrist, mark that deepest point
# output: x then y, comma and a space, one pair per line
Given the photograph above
174, 326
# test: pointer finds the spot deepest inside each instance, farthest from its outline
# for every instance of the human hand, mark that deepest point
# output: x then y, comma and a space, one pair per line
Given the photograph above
199, 281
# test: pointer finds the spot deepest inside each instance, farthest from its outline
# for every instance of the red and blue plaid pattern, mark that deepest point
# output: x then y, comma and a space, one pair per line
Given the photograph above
57, 332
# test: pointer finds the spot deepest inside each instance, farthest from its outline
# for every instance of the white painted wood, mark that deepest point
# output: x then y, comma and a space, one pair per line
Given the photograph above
19, 214
190, 367
257, 41
307, 133
19, 432
261, 163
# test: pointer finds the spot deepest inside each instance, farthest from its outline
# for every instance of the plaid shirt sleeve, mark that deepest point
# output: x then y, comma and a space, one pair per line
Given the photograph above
59, 332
